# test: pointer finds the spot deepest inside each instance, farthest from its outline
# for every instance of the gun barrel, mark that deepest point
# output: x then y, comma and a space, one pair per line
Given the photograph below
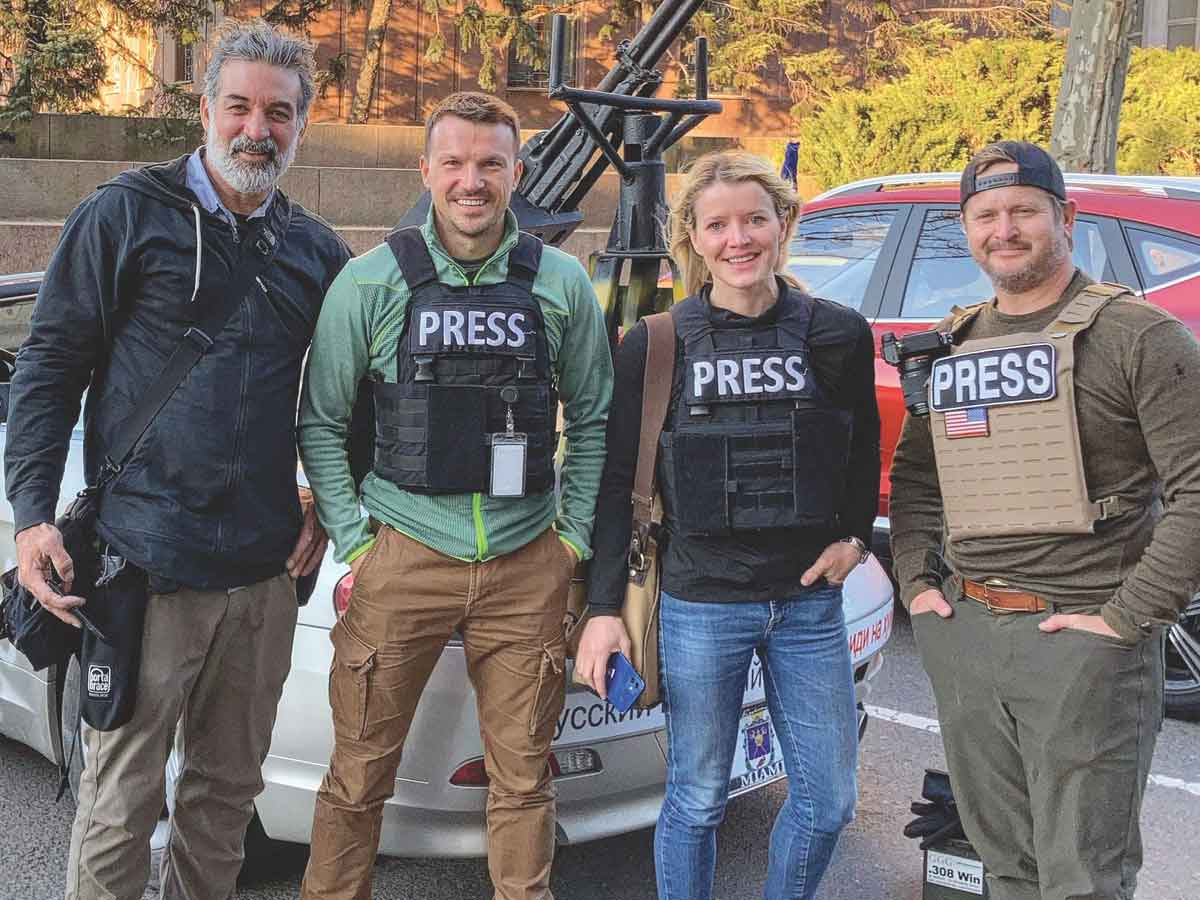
557, 160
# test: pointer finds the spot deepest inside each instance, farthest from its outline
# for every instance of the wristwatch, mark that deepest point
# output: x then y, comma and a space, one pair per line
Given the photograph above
863, 550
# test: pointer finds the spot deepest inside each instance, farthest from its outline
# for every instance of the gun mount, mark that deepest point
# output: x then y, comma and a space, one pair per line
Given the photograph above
562, 163
626, 272
619, 123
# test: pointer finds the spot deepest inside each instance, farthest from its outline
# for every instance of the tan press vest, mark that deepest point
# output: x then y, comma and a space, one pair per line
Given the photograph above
1026, 475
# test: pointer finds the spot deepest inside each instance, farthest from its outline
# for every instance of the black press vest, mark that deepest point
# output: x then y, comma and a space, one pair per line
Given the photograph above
755, 443
459, 347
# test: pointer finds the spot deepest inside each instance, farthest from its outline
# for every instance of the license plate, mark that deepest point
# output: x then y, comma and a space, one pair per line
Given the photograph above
758, 758
956, 872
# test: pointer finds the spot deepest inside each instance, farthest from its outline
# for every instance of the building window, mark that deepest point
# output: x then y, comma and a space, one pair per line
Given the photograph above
536, 73
185, 62
1182, 19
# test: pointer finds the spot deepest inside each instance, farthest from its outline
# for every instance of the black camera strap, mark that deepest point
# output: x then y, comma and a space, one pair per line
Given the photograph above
257, 253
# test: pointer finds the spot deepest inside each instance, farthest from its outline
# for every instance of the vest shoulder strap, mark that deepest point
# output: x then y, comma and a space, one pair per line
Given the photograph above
524, 260
417, 267
412, 256
961, 317
1082, 311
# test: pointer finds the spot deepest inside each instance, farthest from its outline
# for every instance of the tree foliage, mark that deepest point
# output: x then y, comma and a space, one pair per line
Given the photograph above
754, 41
55, 52
1160, 119
947, 107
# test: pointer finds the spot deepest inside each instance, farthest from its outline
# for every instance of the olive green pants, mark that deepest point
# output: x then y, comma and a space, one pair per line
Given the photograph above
1048, 740
213, 663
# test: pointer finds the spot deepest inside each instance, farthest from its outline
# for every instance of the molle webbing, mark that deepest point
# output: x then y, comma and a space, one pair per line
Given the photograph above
1025, 473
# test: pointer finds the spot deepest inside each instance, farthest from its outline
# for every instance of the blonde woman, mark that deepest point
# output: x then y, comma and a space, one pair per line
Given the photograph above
769, 472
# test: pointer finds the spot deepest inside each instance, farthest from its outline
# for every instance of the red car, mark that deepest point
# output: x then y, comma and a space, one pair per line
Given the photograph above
893, 249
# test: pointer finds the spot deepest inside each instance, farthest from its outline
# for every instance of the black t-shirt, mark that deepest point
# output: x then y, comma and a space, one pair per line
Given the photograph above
471, 267
751, 566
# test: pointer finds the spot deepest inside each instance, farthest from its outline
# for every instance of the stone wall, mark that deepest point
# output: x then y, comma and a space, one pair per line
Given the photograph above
56, 136
46, 190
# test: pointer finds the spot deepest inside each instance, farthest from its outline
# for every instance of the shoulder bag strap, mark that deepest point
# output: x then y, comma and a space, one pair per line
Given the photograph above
256, 256
656, 396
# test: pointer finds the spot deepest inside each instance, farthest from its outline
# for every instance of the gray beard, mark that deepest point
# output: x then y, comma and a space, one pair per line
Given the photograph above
248, 177
1036, 273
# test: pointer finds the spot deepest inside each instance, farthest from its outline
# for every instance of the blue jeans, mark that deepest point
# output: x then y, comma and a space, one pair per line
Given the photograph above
705, 652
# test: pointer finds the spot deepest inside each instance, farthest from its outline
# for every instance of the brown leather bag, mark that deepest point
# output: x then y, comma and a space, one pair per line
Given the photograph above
640, 609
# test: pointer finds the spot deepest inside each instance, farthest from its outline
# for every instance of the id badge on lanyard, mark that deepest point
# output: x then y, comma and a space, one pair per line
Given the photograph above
509, 452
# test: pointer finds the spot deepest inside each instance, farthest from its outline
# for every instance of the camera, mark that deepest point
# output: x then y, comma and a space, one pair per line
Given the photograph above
914, 356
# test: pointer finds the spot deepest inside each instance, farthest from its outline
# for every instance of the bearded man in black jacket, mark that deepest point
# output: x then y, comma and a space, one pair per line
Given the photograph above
206, 505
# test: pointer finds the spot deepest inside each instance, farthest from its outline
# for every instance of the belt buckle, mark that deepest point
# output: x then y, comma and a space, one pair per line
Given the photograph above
1000, 584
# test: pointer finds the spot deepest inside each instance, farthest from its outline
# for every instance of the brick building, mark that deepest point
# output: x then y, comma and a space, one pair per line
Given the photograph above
407, 85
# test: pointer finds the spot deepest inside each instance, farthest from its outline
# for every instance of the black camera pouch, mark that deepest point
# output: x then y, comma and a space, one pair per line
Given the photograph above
108, 668
43, 638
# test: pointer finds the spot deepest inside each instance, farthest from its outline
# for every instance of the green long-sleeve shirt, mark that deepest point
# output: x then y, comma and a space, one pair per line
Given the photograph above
1136, 369
358, 334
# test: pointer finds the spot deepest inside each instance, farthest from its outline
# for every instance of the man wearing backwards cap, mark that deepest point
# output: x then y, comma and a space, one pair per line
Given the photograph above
1061, 460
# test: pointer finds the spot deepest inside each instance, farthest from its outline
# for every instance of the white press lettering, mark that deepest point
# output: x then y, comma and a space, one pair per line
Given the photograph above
452, 328
751, 375
794, 366
1037, 366
727, 372
495, 323
515, 321
964, 380
475, 320
987, 378
771, 368
1010, 371
428, 325
702, 374
943, 380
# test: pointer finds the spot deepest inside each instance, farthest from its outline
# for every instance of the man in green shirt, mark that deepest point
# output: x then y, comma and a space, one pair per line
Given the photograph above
470, 333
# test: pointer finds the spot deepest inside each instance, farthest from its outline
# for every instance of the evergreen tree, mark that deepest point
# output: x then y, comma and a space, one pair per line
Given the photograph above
949, 106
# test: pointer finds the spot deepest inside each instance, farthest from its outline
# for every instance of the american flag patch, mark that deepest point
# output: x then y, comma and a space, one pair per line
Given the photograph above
966, 423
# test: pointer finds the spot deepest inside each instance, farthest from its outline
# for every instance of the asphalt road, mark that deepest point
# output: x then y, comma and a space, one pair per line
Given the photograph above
873, 862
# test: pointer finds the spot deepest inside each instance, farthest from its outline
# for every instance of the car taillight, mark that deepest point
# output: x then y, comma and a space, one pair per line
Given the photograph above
470, 774
341, 594
473, 773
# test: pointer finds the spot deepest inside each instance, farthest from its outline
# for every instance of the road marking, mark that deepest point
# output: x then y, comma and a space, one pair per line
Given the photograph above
931, 726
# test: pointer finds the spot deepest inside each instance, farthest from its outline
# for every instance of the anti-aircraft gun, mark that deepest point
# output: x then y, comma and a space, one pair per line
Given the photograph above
619, 123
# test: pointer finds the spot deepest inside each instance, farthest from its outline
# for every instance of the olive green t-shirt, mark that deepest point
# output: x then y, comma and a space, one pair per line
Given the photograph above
1137, 374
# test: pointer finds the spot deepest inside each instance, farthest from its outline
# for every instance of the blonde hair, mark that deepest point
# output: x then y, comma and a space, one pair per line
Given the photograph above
724, 167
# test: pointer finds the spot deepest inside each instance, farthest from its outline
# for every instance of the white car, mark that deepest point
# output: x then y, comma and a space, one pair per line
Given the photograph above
609, 767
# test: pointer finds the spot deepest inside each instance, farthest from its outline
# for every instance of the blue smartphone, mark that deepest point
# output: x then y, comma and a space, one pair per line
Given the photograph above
623, 683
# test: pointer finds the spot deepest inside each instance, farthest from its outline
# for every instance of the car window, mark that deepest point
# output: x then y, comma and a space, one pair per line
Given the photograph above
1163, 257
943, 274
835, 255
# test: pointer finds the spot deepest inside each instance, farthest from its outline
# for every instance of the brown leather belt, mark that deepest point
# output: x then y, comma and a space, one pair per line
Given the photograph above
1001, 598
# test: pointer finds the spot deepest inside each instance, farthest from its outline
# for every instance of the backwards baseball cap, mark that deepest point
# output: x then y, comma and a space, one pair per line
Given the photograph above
1035, 168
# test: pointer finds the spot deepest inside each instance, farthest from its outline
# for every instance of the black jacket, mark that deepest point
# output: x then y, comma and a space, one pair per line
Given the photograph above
208, 498
763, 565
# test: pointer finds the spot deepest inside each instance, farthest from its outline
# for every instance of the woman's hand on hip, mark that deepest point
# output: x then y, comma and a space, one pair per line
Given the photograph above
835, 563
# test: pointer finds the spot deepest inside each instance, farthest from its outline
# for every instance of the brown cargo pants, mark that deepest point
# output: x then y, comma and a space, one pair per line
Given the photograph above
1048, 739
406, 603
214, 662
